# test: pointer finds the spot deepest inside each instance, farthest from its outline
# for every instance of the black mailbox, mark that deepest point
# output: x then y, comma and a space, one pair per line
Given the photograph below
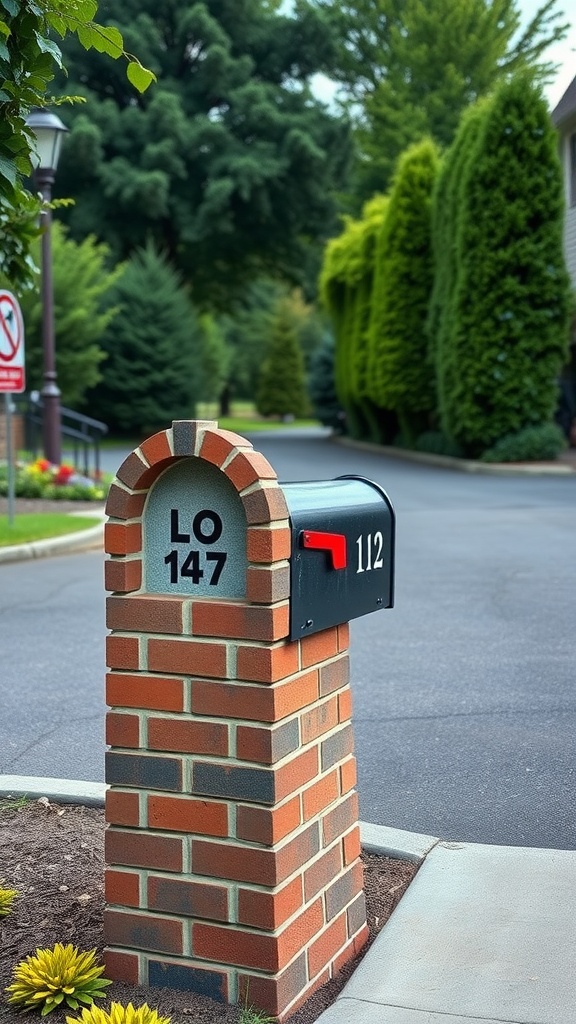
342, 563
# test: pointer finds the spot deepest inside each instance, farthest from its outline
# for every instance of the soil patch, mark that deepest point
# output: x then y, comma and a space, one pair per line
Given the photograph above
53, 854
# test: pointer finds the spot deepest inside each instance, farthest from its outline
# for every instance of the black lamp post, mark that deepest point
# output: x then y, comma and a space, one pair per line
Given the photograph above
48, 131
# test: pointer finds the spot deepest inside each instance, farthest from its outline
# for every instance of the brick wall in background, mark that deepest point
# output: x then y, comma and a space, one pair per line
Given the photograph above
233, 841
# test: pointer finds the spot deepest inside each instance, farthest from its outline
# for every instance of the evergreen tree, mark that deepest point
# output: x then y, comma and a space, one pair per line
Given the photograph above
216, 357
508, 333
230, 163
411, 67
402, 380
346, 289
82, 311
154, 366
325, 404
282, 386
446, 201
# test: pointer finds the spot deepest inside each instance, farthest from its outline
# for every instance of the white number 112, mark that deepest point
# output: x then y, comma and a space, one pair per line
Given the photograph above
374, 545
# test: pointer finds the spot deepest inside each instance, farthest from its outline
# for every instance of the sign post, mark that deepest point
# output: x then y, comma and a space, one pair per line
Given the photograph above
12, 374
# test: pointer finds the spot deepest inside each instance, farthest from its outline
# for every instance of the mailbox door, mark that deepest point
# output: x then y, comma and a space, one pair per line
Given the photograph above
342, 563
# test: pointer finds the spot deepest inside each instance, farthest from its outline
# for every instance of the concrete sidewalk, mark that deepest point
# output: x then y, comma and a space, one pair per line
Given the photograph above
484, 934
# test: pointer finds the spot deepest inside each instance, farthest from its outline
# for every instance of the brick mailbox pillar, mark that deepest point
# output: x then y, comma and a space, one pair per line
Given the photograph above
233, 845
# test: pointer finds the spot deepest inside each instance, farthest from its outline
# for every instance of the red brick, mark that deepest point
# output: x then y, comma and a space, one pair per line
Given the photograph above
157, 693
334, 675
322, 872
264, 505
122, 887
268, 544
318, 720
269, 910
348, 776
122, 504
255, 703
122, 575
179, 814
217, 446
256, 866
156, 448
250, 949
187, 736
296, 773
344, 636
318, 797
122, 808
325, 948
147, 613
340, 818
121, 966
152, 474
268, 585
188, 899
131, 470
268, 825
351, 950
122, 730
122, 538
345, 705
266, 745
319, 647
241, 621
247, 468
273, 995
267, 664
351, 846
143, 850
143, 931
122, 652
187, 656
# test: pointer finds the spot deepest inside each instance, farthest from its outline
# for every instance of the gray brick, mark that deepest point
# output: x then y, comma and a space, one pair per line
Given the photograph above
251, 784
143, 772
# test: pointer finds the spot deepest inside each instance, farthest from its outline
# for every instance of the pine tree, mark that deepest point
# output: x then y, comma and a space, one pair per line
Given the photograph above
508, 332
154, 365
229, 163
282, 386
402, 380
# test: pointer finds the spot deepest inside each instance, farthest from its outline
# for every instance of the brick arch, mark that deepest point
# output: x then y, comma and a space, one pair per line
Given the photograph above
256, 482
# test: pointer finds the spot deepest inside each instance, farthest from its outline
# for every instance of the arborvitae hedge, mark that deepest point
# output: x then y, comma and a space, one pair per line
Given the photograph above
346, 287
401, 379
507, 337
282, 385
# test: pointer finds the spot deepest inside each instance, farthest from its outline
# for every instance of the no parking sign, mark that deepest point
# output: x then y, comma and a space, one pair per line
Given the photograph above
12, 375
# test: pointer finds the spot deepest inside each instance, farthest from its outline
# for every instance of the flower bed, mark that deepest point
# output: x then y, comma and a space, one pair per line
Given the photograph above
41, 479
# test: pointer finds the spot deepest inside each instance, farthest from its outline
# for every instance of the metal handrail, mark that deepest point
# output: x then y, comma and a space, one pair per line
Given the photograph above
84, 432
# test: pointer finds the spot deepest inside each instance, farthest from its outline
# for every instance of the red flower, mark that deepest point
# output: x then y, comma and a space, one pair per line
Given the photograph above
63, 475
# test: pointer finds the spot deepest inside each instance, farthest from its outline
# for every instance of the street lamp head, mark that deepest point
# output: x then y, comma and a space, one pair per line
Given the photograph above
48, 131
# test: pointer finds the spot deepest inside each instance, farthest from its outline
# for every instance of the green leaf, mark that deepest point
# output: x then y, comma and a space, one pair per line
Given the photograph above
8, 170
4, 30
4, 52
48, 46
139, 76
107, 39
85, 37
12, 6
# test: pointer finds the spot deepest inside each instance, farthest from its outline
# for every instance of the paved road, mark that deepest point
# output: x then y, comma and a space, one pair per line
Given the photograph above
464, 693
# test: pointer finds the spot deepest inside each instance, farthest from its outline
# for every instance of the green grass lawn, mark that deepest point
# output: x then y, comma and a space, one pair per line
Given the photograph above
40, 526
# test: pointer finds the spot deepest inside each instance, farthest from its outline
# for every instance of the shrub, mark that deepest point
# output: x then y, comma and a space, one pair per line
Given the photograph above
325, 404
56, 483
436, 443
55, 976
533, 444
118, 1014
7, 897
507, 338
402, 379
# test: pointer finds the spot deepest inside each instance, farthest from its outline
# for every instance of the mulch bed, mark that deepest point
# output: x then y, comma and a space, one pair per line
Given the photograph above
54, 856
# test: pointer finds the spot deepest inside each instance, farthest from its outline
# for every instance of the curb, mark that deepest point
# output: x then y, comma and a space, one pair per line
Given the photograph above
380, 839
81, 541
461, 465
